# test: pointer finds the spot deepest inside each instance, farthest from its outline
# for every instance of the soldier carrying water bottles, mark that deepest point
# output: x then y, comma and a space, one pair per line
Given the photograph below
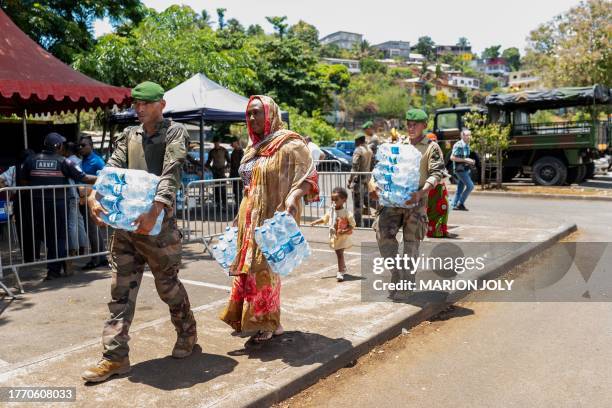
412, 221
158, 146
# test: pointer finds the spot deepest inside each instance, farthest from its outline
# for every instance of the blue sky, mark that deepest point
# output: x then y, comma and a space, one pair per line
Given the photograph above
483, 22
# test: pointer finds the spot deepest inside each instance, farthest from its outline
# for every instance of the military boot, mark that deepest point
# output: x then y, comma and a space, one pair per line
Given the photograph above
105, 369
184, 346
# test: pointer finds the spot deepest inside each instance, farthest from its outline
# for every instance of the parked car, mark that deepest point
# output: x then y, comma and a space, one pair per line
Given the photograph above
333, 153
346, 146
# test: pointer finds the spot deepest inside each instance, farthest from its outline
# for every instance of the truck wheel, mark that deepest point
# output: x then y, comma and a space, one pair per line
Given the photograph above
549, 171
576, 174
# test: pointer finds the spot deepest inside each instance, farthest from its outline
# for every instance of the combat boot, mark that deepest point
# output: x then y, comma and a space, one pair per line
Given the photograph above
105, 369
184, 346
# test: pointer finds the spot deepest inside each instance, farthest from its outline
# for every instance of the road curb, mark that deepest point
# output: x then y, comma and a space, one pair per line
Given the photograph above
282, 386
538, 195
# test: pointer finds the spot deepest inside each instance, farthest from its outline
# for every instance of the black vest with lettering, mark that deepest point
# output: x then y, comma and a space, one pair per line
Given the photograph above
46, 170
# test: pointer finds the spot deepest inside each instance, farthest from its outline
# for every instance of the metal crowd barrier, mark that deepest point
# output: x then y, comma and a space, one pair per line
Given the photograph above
207, 207
328, 165
45, 224
358, 201
37, 221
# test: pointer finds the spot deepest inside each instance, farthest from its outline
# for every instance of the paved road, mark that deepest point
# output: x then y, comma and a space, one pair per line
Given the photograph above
481, 354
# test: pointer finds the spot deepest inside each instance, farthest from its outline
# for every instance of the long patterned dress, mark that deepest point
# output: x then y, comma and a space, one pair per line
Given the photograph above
437, 212
271, 169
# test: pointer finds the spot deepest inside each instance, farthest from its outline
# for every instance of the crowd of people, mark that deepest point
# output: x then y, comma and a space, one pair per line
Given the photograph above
54, 214
276, 173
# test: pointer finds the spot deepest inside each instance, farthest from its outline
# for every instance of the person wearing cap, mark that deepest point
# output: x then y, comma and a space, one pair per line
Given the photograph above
358, 183
159, 146
368, 130
51, 168
412, 221
218, 161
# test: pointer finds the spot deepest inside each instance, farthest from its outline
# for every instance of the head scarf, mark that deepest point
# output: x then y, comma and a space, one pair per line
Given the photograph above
273, 119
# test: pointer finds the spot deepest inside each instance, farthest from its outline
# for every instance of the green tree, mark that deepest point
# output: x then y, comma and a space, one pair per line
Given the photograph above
426, 47
574, 49
169, 47
204, 19
289, 73
255, 30
221, 17
279, 25
463, 42
513, 57
315, 126
370, 66
65, 28
234, 26
305, 32
489, 140
337, 75
491, 52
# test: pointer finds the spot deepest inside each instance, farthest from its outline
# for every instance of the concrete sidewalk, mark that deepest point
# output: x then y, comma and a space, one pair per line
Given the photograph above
50, 335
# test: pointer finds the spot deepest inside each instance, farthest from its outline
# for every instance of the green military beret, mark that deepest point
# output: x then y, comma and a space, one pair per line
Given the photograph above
368, 124
148, 91
416, 115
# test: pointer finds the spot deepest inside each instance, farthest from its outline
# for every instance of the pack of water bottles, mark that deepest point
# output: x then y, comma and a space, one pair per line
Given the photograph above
282, 243
397, 173
126, 194
224, 251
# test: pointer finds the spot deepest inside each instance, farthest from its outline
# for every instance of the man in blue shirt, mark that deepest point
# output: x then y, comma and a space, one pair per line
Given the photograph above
91, 164
460, 156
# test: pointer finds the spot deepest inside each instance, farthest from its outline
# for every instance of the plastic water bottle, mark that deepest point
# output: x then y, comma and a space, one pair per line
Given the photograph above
302, 250
397, 173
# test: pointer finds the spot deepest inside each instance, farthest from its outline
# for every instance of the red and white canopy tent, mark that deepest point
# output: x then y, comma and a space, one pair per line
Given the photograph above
34, 81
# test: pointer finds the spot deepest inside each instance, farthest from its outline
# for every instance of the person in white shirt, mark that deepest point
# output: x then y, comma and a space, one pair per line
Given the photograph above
315, 151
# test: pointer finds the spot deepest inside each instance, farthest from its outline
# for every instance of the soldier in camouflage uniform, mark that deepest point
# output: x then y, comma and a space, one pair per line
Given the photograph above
358, 183
412, 221
158, 146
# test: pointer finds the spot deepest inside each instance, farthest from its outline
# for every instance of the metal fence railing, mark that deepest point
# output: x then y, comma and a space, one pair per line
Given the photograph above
328, 165
47, 224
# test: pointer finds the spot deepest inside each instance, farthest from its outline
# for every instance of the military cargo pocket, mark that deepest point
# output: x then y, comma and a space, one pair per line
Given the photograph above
169, 239
421, 226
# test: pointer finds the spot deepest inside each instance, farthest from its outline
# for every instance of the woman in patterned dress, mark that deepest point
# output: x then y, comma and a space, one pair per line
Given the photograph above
278, 171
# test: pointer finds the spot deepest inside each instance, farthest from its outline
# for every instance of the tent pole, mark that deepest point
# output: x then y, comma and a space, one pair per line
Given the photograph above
25, 129
202, 142
103, 132
78, 122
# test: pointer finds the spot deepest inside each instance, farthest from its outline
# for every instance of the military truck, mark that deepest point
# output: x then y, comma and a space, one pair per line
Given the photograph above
552, 153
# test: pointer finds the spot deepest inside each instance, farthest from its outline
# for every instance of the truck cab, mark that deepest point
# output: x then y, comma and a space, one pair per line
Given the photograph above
554, 152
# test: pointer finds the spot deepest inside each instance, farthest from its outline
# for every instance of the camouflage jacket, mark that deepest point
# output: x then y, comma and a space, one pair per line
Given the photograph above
162, 154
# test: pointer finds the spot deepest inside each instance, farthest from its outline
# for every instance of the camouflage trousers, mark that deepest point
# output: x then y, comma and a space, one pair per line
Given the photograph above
128, 254
412, 222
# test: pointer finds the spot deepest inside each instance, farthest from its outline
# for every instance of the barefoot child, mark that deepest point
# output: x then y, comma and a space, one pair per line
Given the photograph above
341, 224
